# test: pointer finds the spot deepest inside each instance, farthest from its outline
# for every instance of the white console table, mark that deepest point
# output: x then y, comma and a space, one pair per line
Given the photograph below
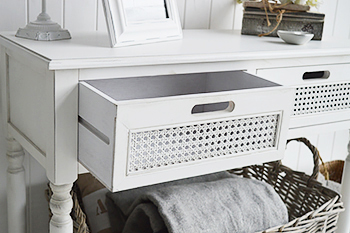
39, 87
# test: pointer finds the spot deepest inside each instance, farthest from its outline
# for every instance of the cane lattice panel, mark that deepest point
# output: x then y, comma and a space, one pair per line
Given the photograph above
191, 143
321, 98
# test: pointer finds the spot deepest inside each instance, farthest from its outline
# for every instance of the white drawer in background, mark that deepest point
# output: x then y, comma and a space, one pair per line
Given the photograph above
145, 130
322, 92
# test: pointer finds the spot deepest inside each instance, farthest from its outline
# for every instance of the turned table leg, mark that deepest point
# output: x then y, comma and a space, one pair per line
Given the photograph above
61, 204
16, 188
344, 218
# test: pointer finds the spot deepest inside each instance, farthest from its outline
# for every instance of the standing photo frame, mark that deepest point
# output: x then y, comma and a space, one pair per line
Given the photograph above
132, 22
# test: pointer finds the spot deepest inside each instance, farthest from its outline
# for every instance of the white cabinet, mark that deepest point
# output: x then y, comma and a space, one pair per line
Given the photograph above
120, 111
144, 130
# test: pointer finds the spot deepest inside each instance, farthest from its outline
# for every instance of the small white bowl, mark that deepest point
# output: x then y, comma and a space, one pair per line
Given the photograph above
294, 37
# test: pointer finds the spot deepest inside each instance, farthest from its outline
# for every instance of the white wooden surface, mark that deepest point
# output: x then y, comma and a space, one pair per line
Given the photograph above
61, 204
125, 33
89, 17
16, 188
151, 114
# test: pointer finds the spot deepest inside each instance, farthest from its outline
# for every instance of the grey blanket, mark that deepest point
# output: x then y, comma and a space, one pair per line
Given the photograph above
219, 202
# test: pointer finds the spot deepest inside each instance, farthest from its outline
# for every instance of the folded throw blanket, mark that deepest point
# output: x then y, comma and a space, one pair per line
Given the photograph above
219, 202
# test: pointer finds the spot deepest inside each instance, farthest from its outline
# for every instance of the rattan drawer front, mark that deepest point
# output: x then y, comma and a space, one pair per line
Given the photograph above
322, 98
322, 92
166, 147
164, 128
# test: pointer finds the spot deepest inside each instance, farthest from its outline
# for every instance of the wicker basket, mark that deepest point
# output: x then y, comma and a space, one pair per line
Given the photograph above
334, 169
311, 207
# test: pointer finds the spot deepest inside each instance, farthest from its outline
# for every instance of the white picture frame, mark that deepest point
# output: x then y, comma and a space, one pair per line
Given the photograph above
123, 32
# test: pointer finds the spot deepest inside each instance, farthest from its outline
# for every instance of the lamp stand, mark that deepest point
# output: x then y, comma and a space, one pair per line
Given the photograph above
43, 28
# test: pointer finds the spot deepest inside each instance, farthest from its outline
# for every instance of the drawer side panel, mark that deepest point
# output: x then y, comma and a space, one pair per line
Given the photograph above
96, 134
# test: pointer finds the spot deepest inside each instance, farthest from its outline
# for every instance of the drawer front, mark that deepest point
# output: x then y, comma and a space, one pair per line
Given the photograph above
148, 141
321, 92
186, 144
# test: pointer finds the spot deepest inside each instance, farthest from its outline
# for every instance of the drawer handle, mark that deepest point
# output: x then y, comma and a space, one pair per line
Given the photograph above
316, 75
227, 106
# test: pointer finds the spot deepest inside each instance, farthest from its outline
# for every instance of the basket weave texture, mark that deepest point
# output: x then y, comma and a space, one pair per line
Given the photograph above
334, 168
311, 207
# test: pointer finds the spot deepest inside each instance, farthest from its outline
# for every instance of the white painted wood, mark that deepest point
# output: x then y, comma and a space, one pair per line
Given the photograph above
329, 8
343, 221
16, 188
321, 129
101, 19
342, 23
23, 100
222, 62
181, 6
142, 31
197, 14
13, 14
293, 76
341, 138
3, 147
237, 23
222, 14
61, 204
34, 151
160, 110
62, 134
85, 20
228, 46
34, 9
38, 211
55, 8
323, 145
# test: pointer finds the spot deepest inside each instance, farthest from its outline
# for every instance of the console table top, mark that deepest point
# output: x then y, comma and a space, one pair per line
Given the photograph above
91, 50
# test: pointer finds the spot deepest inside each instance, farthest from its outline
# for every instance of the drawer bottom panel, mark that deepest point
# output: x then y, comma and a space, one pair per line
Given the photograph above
166, 147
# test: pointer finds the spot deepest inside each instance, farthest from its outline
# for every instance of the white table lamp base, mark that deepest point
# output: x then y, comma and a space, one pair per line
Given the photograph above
43, 28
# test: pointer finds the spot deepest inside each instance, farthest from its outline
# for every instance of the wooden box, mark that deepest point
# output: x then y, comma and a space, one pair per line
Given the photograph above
145, 130
255, 23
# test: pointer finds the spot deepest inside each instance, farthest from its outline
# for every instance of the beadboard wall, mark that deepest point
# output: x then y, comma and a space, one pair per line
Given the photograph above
87, 15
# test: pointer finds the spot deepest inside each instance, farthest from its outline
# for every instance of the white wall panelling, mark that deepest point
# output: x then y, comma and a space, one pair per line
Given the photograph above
342, 20
222, 14
101, 21
87, 15
329, 8
13, 13
201, 17
80, 15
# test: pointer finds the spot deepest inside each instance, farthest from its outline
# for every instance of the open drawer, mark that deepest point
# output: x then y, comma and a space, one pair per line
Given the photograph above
322, 92
145, 130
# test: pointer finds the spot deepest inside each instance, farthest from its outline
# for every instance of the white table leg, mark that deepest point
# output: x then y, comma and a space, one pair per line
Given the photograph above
61, 204
344, 218
16, 188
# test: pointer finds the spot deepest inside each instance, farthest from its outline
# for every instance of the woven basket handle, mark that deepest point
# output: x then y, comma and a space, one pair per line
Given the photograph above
315, 153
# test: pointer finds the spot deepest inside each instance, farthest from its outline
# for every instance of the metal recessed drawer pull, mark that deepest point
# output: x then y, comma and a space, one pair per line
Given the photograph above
316, 75
144, 130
